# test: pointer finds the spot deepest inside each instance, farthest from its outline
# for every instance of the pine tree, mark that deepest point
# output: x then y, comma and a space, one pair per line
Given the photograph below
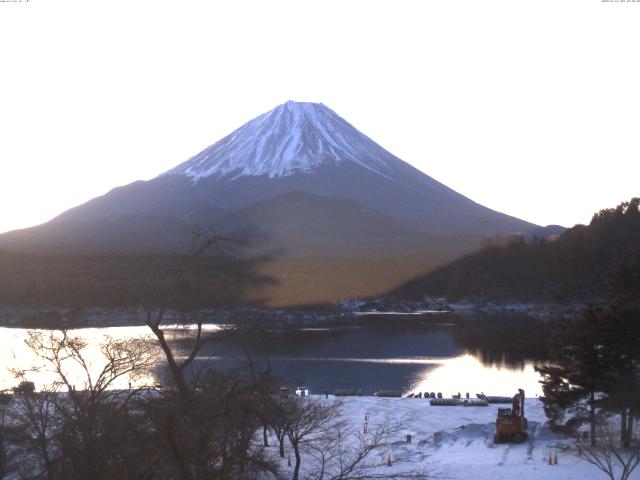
595, 359
572, 381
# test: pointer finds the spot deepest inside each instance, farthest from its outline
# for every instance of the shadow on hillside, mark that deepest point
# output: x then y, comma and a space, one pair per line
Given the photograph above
214, 279
572, 268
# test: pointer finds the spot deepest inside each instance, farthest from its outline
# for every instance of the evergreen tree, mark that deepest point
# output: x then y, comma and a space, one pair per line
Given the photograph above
595, 359
621, 339
572, 381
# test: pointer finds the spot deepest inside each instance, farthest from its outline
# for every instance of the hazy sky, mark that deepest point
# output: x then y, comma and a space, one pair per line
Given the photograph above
528, 107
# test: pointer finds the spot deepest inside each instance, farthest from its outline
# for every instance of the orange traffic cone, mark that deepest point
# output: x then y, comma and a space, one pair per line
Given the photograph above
289, 460
389, 460
555, 458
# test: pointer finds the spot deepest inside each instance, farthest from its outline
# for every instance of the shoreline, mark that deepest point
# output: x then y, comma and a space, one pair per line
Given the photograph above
347, 312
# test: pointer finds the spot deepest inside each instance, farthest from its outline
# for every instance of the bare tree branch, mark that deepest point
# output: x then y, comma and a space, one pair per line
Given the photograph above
610, 456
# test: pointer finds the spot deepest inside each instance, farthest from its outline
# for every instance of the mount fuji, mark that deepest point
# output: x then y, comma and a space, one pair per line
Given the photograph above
299, 177
292, 138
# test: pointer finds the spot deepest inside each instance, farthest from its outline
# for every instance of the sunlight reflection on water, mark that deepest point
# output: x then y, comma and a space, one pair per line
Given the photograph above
16, 355
467, 374
457, 372
450, 375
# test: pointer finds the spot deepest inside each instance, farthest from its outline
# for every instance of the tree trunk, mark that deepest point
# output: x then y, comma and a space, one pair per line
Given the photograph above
48, 464
174, 449
592, 418
176, 372
296, 469
629, 436
281, 442
3, 456
623, 427
265, 439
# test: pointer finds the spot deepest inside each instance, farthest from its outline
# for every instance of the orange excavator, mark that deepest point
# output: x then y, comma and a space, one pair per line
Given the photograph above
511, 424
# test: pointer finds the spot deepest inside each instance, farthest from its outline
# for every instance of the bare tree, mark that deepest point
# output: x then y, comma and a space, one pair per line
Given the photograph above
185, 288
307, 419
36, 413
206, 419
277, 418
6, 434
610, 455
62, 352
77, 424
335, 449
347, 454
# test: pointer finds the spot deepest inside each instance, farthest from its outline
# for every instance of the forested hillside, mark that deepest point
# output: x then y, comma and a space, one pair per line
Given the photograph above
118, 281
573, 267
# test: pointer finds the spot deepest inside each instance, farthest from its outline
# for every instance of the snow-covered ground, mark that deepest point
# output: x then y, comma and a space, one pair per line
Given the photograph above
457, 442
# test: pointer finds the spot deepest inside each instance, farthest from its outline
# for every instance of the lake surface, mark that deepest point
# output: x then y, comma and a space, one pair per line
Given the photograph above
445, 353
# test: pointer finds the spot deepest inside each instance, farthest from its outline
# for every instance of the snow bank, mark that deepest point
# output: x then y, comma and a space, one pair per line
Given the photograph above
457, 443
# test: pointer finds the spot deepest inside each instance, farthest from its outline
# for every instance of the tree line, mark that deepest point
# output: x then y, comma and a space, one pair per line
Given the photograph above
571, 268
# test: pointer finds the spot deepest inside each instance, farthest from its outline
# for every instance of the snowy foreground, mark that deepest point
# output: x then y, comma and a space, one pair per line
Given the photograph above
457, 442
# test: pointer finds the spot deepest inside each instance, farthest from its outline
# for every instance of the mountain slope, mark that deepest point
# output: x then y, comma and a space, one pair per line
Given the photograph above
573, 268
300, 223
338, 214
308, 147
295, 147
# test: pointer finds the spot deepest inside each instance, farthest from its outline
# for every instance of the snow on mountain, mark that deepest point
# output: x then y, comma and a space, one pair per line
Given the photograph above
293, 137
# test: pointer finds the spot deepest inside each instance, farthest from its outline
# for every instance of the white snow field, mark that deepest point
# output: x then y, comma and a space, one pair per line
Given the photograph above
457, 442
293, 137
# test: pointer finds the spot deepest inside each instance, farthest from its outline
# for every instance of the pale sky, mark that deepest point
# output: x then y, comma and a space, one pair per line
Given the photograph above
528, 107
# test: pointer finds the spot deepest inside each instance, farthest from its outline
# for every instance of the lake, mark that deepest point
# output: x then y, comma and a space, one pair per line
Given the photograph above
448, 353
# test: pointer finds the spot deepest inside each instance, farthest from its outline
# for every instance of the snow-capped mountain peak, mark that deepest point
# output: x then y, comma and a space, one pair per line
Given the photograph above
293, 137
